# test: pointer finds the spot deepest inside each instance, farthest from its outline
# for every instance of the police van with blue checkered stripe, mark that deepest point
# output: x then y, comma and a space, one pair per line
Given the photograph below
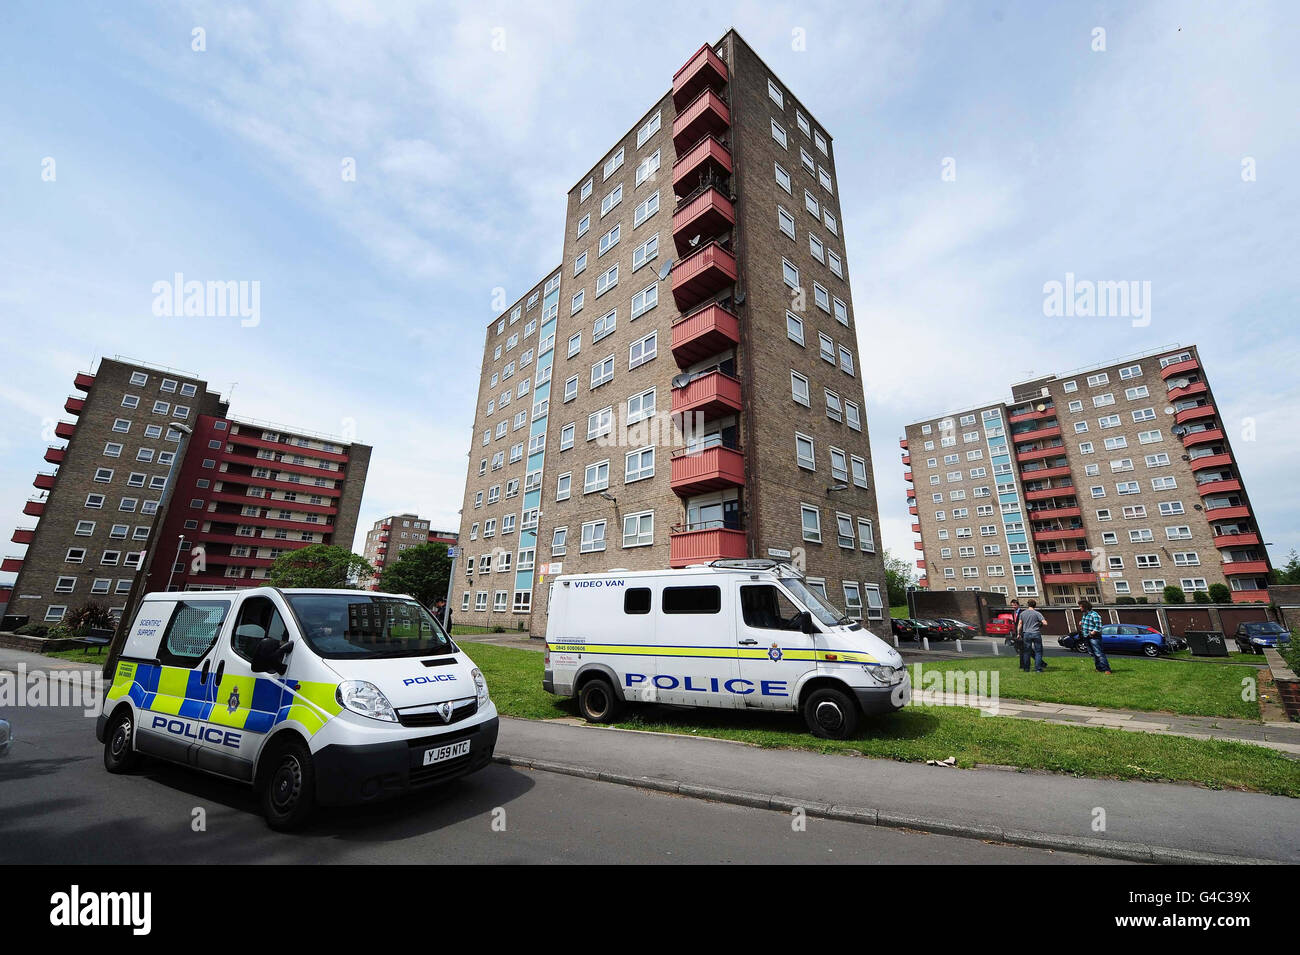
311, 696
736, 634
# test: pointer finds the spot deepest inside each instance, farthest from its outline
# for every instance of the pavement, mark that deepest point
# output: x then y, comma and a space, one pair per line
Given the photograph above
1148, 822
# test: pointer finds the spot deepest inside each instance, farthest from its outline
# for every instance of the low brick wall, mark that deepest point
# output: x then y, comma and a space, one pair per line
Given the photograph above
1287, 683
14, 641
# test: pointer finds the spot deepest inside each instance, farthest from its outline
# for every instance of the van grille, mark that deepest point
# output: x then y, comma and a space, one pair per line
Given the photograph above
464, 709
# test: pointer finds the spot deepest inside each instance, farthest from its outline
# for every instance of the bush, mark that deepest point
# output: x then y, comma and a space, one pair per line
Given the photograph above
89, 615
1142, 600
1200, 597
1125, 600
60, 632
1220, 594
32, 630
498, 629
1174, 594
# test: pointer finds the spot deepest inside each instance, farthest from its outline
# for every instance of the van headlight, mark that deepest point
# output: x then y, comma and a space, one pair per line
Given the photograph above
365, 699
480, 686
885, 674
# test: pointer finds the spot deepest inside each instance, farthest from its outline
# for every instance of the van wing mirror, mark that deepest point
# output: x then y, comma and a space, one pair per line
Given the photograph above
268, 655
804, 622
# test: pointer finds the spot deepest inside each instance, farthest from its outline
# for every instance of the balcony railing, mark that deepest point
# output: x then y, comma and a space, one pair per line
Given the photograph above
704, 332
708, 470
708, 159
23, 535
55, 455
73, 404
1207, 461
704, 273
707, 115
705, 216
1205, 436
44, 480
1245, 568
712, 394
1194, 414
1179, 368
704, 70
65, 429
83, 381
687, 546
1227, 485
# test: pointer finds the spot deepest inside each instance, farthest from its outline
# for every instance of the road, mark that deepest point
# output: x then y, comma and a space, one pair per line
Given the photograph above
57, 804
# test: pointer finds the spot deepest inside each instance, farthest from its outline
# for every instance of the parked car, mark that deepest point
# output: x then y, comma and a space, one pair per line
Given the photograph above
1122, 638
903, 627
1000, 625
1253, 637
961, 628
6, 737
935, 629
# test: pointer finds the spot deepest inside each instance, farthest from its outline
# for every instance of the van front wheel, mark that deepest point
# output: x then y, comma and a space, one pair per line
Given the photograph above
830, 714
597, 701
289, 792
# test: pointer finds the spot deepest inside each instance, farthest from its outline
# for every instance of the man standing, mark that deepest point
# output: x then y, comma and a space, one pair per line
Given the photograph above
1013, 635
442, 612
1031, 633
1090, 628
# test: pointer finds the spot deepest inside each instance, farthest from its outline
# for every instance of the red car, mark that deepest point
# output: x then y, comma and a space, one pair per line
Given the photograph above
1000, 625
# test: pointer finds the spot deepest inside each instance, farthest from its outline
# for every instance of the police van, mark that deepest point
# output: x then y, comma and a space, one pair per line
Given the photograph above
311, 696
737, 634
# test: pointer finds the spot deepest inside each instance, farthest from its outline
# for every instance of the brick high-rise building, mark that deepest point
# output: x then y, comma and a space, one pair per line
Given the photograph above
391, 535
692, 389
1104, 482
97, 510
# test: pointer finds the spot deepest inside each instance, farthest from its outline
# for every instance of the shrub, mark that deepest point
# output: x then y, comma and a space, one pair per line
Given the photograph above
1142, 600
1220, 594
1200, 597
33, 630
1174, 594
60, 632
1125, 600
89, 615
498, 629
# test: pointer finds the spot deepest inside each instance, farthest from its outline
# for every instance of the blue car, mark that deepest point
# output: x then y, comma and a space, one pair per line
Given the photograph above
1122, 638
1255, 636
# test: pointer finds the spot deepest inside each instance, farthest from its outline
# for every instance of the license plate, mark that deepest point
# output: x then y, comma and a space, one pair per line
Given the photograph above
440, 753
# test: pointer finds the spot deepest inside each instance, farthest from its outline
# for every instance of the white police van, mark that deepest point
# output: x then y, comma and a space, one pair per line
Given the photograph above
311, 696
735, 634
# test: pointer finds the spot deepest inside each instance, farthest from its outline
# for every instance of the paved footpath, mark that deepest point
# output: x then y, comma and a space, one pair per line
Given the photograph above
1159, 822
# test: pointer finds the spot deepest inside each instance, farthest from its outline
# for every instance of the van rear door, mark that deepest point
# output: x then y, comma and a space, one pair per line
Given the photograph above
695, 662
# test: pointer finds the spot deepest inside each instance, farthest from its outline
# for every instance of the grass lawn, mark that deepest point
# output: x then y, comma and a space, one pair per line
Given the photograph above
1159, 685
515, 680
899, 613
1233, 655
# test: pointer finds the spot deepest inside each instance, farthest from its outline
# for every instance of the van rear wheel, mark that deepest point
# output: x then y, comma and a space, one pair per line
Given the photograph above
289, 791
597, 701
830, 714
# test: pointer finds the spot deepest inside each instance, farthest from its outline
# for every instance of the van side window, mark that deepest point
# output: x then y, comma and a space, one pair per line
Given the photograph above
692, 599
191, 632
636, 600
766, 608
258, 618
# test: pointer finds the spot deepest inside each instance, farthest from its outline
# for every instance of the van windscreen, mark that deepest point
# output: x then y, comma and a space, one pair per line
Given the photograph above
358, 626
692, 599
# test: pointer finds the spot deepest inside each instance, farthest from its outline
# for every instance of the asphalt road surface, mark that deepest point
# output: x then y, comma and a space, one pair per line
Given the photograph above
59, 805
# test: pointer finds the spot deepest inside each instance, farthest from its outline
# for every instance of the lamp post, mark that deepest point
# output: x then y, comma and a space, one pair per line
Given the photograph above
142, 572
180, 544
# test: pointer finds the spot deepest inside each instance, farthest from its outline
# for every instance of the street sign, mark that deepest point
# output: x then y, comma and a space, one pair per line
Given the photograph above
453, 552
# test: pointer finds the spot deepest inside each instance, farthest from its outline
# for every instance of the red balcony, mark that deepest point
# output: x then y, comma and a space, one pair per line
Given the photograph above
1218, 487
11, 565
923, 583
706, 216
23, 535
706, 272
902, 443
34, 508
707, 156
699, 547
1064, 555
1089, 578
916, 528
704, 332
1195, 388
1047, 513
704, 70
1180, 368
1034, 415
1211, 461
1245, 568
1194, 414
907, 476
44, 480
917, 545
83, 381
1225, 540
74, 405
55, 455
1044, 473
708, 470
907, 459
1074, 533
65, 429
1250, 596
1049, 493
1227, 513
1040, 454
912, 510
712, 394
1208, 436
920, 563
707, 115
1051, 431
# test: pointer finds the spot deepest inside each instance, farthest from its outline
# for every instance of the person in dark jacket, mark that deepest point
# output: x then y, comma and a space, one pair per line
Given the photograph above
442, 612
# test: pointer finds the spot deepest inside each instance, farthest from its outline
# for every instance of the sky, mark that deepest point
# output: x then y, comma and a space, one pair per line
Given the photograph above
982, 151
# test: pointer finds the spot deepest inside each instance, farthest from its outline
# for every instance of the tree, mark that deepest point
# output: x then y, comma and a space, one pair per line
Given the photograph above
898, 577
1174, 594
1289, 573
1220, 594
1200, 597
320, 565
422, 572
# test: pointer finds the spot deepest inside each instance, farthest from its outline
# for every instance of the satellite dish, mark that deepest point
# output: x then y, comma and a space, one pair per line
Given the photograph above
1041, 407
1045, 392
694, 242
740, 298
681, 381
1169, 409
665, 269
1179, 383
1178, 430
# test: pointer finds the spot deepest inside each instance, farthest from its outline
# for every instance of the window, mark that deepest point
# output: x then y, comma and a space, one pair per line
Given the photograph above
558, 548
645, 300
852, 598
841, 312
583, 225
606, 280
785, 221
639, 530
563, 486
576, 303
816, 247
605, 325
593, 537
812, 523
130, 401
645, 209
799, 389
596, 477
612, 163
575, 344
641, 407
836, 265
859, 468
602, 372
866, 535
778, 133
811, 204
645, 252
846, 360
804, 452
790, 273
794, 328
639, 465
566, 437
647, 167
585, 192
112, 450
648, 129
642, 350
608, 240
611, 200
839, 465
782, 177
852, 415
833, 409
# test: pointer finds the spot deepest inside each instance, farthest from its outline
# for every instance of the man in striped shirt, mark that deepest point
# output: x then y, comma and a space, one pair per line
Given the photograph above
1090, 628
